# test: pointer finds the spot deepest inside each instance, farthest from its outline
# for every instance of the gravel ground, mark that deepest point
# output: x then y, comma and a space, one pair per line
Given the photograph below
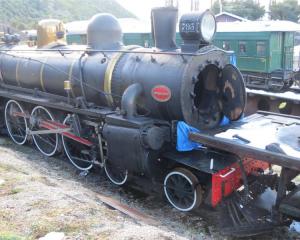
39, 195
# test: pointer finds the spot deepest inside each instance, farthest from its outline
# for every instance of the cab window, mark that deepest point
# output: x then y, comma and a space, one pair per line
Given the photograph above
260, 48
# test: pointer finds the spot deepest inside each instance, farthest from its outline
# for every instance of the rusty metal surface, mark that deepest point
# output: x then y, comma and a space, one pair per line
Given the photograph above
233, 91
125, 209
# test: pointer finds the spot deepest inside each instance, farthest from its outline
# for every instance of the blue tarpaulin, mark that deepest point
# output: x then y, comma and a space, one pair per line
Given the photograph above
183, 141
233, 59
184, 144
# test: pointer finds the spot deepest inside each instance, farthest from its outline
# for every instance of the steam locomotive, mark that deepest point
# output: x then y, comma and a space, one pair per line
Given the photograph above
121, 107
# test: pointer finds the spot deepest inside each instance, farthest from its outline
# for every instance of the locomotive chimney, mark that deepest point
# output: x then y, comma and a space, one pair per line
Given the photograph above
163, 24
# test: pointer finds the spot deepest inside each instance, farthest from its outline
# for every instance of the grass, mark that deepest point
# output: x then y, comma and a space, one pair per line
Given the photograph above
10, 168
41, 228
44, 226
9, 236
15, 191
9, 187
6, 167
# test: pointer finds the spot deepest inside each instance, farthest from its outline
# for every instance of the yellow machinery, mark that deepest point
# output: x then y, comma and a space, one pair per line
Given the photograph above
50, 32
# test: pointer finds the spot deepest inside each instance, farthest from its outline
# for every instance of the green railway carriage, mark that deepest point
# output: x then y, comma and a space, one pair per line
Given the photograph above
135, 32
263, 49
134, 38
77, 32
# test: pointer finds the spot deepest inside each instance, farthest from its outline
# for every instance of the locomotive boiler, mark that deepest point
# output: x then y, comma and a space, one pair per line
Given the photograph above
170, 86
118, 106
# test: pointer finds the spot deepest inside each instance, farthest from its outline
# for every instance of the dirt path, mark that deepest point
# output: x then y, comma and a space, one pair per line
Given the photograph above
40, 195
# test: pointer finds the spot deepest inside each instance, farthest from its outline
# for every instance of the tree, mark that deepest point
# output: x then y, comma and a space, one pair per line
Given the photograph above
27, 13
287, 10
243, 8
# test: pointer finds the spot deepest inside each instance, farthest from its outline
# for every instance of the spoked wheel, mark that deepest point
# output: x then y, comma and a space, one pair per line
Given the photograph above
116, 175
15, 121
80, 155
182, 190
46, 143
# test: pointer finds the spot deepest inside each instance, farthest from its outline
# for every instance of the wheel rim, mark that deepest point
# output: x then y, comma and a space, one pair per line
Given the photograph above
46, 143
78, 154
115, 175
182, 190
16, 125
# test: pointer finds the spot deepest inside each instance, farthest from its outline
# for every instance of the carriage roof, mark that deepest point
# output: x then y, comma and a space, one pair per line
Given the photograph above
258, 26
128, 25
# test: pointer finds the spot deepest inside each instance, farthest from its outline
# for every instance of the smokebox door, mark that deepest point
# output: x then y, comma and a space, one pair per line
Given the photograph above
233, 92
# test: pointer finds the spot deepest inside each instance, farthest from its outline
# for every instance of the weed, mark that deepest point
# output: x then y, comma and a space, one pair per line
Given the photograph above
9, 236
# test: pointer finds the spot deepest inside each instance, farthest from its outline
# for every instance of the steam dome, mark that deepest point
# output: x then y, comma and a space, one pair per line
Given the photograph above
104, 32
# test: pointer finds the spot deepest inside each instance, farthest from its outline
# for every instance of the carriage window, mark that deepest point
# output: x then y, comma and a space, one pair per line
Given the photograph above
260, 48
226, 45
242, 47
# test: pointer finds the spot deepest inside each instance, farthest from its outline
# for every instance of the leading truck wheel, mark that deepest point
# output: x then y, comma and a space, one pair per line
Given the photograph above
15, 121
46, 143
182, 190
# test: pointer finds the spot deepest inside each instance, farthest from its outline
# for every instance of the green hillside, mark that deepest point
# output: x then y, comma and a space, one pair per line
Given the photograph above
24, 14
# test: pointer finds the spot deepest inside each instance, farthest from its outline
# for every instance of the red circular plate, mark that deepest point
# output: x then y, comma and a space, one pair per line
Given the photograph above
161, 93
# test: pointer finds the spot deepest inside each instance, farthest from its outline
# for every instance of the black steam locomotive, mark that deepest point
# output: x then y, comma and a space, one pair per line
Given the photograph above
119, 106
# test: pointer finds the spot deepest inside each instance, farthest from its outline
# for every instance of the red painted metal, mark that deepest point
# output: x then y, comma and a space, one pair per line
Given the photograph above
229, 179
161, 93
57, 124
52, 125
78, 139
19, 114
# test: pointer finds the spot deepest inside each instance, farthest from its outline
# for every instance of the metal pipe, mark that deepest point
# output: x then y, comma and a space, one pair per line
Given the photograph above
129, 99
81, 76
173, 53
